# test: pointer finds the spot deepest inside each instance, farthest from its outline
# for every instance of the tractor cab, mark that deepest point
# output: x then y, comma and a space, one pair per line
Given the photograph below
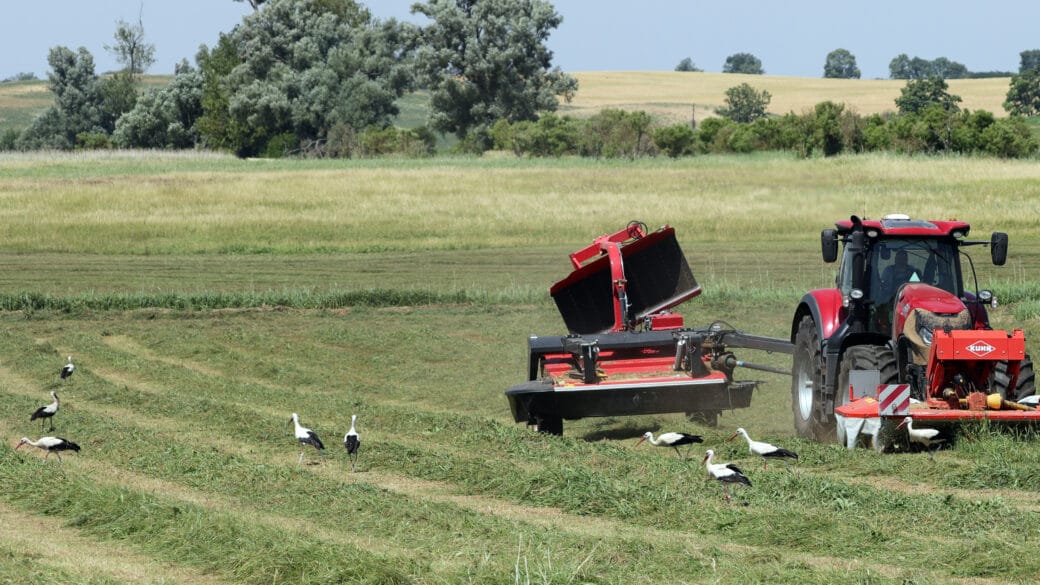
881, 256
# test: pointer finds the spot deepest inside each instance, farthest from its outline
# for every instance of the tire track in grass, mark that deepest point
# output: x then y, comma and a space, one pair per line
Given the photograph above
544, 517
127, 344
49, 542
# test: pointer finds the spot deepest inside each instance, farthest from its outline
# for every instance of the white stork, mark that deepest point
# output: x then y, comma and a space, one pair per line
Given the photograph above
352, 442
764, 450
672, 440
726, 473
46, 412
67, 369
48, 444
925, 437
306, 437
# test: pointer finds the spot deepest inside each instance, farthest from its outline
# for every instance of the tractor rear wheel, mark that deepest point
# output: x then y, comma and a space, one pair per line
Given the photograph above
810, 398
871, 357
1026, 385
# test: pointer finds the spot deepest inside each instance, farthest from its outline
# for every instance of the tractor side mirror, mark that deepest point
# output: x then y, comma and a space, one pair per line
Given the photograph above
829, 244
998, 245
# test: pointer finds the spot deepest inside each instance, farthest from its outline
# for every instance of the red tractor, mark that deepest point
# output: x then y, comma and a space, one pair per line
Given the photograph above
900, 311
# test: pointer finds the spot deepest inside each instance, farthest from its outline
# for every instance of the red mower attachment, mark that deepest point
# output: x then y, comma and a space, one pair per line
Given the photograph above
626, 352
956, 383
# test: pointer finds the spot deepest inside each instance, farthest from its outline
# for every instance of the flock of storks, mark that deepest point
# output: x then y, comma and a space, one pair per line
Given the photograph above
725, 473
351, 441
46, 413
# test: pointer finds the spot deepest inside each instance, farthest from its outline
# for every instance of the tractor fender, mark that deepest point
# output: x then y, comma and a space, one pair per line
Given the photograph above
825, 306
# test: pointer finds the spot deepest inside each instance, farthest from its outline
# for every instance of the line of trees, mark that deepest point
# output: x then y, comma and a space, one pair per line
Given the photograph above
313, 76
928, 121
841, 64
323, 78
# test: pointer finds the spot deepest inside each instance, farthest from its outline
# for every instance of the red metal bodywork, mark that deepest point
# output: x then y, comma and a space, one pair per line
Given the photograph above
941, 228
626, 352
959, 364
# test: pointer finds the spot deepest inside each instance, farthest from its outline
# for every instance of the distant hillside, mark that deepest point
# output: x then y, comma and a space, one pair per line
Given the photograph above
674, 95
670, 95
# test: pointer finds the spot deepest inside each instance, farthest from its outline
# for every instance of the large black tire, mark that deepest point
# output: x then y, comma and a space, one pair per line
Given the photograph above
811, 401
866, 357
871, 357
1026, 385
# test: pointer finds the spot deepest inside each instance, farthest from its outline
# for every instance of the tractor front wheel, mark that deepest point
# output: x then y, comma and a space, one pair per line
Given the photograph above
1026, 385
882, 359
810, 398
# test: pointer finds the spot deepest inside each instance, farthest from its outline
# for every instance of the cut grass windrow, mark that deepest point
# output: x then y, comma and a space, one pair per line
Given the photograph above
483, 458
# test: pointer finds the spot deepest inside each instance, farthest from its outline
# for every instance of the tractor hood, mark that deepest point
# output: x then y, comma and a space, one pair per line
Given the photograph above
927, 298
923, 308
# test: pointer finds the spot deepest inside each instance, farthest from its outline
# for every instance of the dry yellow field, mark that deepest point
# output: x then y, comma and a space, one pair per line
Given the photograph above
674, 95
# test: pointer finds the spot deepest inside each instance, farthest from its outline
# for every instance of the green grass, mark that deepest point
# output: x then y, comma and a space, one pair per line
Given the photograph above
206, 298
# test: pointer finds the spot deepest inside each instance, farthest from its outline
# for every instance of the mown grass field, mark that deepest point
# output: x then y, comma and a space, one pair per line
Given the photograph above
206, 298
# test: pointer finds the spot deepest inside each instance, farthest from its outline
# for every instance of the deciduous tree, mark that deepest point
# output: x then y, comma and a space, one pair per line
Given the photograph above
841, 64
130, 48
686, 65
296, 68
487, 60
743, 63
77, 106
918, 94
1029, 60
1023, 96
745, 103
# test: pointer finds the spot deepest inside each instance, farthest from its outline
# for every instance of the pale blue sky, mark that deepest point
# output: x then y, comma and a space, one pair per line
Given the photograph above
791, 38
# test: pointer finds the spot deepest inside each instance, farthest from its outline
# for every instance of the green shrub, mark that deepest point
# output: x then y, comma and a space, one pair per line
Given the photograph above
676, 140
93, 141
616, 133
1009, 138
281, 145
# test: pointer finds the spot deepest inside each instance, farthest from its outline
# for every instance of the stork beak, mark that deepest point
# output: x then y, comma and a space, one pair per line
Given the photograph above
641, 439
705, 458
733, 437
18, 446
901, 424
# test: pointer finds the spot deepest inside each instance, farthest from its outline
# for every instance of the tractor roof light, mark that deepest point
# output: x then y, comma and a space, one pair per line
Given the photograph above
896, 217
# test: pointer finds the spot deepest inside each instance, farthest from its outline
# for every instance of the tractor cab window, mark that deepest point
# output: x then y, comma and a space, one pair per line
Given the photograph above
897, 262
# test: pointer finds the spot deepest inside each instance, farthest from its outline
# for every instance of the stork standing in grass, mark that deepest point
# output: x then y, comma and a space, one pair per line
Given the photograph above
67, 369
306, 437
49, 444
46, 412
925, 437
764, 450
672, 440
352, 442
725, 473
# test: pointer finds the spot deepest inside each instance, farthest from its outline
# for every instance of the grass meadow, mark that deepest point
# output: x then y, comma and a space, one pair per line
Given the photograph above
206, 298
